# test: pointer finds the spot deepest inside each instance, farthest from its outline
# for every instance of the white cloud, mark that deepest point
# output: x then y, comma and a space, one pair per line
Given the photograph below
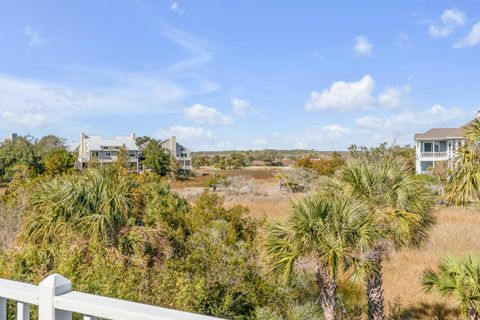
363, 47
175, 7
451, 19
343, 95
34, 38
320, 137
241, 107
186, 133
390, 97
336, 130
206, 115
471, 40
28, 119
29, 102
410, 120
369, 122
454, 16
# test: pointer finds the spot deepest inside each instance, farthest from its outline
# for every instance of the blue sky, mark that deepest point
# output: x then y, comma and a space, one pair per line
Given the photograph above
244, 74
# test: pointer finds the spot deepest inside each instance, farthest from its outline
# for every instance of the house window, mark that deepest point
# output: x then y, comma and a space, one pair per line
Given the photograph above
107, 154
427, 147
440, 146
132, 155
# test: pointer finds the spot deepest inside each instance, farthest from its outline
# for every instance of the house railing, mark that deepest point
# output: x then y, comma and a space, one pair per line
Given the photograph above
56, 301
441, 154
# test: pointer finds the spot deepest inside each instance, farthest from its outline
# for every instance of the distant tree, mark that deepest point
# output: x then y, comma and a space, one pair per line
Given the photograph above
199, 161
324, 166
215, 182
459, 278
404, 155
22, 151
49, 143
142, 140
156, 158
58, 161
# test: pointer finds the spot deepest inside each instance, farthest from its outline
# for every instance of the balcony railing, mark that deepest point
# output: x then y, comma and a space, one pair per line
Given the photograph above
441, 154
56, 301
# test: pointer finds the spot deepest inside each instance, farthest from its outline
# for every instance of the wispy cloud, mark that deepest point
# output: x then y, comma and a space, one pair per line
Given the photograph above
33, 102
175, 7
450, 20
34, 38
199, 49
471, 40
206, 115
363, 47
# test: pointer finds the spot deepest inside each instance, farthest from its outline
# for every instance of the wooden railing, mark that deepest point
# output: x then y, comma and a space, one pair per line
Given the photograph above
441, 154
56, 301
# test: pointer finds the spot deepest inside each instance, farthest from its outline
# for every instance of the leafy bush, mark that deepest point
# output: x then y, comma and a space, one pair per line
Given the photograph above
128, 236
240, 185
323, 166
297, 180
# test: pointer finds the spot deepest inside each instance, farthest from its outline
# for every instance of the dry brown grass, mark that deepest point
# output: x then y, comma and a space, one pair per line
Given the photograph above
457, 232
260, 174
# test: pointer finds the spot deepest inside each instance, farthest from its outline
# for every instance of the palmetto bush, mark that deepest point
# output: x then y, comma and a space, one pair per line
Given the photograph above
460, 278
128, 236
99, 206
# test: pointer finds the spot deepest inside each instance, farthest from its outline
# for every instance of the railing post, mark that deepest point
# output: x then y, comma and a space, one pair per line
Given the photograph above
3, 309
23, 311
50, 287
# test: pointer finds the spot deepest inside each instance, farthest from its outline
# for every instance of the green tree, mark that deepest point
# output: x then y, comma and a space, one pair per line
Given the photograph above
21, 152
401, 207
49, 143
58, 161
459, 278
156, 158
101, 206
329, 231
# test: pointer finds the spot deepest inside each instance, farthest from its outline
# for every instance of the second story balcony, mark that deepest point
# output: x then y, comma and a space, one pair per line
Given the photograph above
433, 154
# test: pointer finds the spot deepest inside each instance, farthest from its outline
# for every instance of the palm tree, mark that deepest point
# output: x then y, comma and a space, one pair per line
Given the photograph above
459, 278
102, 206
463, 183
325, 231
400, 207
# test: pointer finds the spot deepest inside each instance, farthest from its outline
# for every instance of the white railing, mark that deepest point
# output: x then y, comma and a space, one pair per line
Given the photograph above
441, 154
56, 301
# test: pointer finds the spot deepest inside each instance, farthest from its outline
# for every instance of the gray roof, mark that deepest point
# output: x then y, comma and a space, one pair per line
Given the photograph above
441, 133
97, 142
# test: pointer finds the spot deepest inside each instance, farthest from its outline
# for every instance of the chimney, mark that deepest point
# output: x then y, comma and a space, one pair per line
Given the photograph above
173, 146
13, 137
478, 114
133, 136
81, 146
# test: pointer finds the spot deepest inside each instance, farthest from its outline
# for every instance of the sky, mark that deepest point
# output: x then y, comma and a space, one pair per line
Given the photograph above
225, 74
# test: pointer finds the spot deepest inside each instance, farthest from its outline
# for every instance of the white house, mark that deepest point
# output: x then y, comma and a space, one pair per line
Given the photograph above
436, 145
181, 153
105, 151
